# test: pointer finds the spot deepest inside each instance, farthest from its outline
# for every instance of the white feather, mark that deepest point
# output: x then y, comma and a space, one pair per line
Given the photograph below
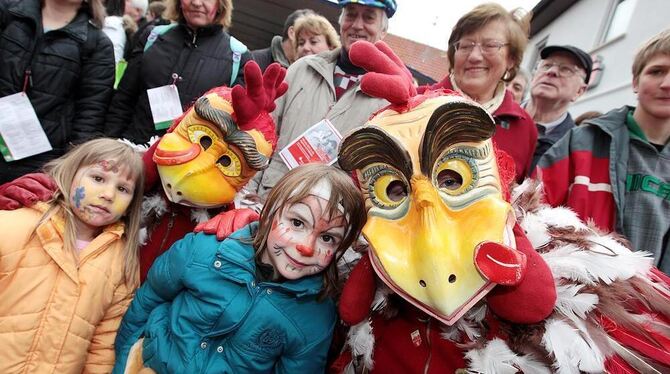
199, 215
629, 262
143, 235
562, 217
451, 333
496, 357
573, 354
362, 342
572, 304
590, 267
469, 324
382, 293
347, 262
536, 230
154, 205
141, 148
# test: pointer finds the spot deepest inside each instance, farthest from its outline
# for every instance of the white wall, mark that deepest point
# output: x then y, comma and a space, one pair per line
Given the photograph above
582, 26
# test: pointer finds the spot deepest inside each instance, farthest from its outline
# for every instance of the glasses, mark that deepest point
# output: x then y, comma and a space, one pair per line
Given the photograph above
488, 47
564, 71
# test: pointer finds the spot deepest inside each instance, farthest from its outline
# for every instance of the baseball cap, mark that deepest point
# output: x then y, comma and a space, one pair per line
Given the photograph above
389, 6
582, 57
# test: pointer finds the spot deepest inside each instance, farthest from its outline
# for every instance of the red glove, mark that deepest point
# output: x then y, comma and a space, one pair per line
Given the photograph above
226, 223
253, 104
26, 191
358, 292
532, 300
387, 76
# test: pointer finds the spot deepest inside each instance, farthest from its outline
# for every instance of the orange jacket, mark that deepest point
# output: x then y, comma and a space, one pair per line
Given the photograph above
57, 316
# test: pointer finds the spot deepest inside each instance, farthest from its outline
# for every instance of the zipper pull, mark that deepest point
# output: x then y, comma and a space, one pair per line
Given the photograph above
27, 80
175, 78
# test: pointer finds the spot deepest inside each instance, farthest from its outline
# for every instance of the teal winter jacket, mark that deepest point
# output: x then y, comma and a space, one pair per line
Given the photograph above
201, 310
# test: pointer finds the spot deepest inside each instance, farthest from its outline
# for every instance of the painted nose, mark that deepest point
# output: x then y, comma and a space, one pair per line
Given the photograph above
305, 250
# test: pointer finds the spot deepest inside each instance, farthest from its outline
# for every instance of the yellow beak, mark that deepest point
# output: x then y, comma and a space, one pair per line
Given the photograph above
427, 256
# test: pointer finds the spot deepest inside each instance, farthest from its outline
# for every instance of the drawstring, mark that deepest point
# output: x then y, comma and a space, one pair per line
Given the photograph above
27, 78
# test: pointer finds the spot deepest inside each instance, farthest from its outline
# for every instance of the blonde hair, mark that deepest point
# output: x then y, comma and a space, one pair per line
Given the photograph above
224, 15
314, 24
657, 44
295, 186
517, 23
63, 170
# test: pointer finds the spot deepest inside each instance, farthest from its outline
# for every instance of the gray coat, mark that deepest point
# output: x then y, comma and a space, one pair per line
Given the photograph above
310, 99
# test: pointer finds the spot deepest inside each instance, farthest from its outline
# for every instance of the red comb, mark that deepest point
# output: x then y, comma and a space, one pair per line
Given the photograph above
386, 77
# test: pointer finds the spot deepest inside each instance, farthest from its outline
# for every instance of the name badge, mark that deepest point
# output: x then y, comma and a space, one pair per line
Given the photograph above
318, 144
165, 105
21, 134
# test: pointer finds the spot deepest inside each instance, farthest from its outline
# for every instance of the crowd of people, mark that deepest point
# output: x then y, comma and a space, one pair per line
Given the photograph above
79, 291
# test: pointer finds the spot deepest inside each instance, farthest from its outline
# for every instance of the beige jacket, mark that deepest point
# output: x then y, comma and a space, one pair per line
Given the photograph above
310, 99
58, 315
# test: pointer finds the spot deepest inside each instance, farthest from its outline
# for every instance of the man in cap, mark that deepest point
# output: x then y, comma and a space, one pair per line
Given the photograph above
326, 86
560, 78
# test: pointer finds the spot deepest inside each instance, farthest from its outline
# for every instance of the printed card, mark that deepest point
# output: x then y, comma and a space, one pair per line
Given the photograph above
21, 134
165, 105
318, 144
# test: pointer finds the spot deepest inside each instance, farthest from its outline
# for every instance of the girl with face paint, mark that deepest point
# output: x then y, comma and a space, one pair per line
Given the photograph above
260, 301
69, 267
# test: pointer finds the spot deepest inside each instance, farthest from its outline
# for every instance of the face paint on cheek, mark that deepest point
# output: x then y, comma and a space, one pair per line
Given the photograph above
118, 209
79, 194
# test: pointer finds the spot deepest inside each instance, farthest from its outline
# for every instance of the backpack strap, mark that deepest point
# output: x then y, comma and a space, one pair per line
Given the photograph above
238, 49
156, 32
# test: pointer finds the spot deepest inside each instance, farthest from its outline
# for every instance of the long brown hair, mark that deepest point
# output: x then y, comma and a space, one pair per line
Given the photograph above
63, 170
295, 186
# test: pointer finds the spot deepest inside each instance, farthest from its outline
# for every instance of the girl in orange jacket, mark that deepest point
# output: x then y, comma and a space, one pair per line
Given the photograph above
69, 268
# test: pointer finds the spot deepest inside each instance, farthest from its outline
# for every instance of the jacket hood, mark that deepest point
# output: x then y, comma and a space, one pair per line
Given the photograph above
278, 51
613, 123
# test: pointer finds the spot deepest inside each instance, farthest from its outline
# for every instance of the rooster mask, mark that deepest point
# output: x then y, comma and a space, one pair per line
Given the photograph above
213, 150
440, 230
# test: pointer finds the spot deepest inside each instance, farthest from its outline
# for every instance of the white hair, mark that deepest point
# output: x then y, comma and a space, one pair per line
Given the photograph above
143, 5
385, 19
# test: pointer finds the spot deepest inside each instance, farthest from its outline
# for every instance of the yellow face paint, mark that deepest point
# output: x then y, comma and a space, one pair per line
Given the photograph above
101, 194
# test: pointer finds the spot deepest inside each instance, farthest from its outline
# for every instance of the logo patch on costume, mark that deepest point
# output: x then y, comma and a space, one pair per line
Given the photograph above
416, 338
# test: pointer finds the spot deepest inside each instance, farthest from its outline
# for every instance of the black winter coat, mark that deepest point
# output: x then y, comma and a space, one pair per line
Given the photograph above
202, 60
71, 77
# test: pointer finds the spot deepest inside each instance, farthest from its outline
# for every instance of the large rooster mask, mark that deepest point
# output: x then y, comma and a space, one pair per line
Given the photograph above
439, 227
434, 200
213, 150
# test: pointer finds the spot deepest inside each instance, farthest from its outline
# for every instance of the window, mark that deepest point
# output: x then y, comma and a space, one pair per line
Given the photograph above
618, 20
536, 53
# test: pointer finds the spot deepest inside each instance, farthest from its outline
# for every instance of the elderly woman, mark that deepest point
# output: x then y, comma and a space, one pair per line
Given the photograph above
485, 49
195, 53
314, 34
